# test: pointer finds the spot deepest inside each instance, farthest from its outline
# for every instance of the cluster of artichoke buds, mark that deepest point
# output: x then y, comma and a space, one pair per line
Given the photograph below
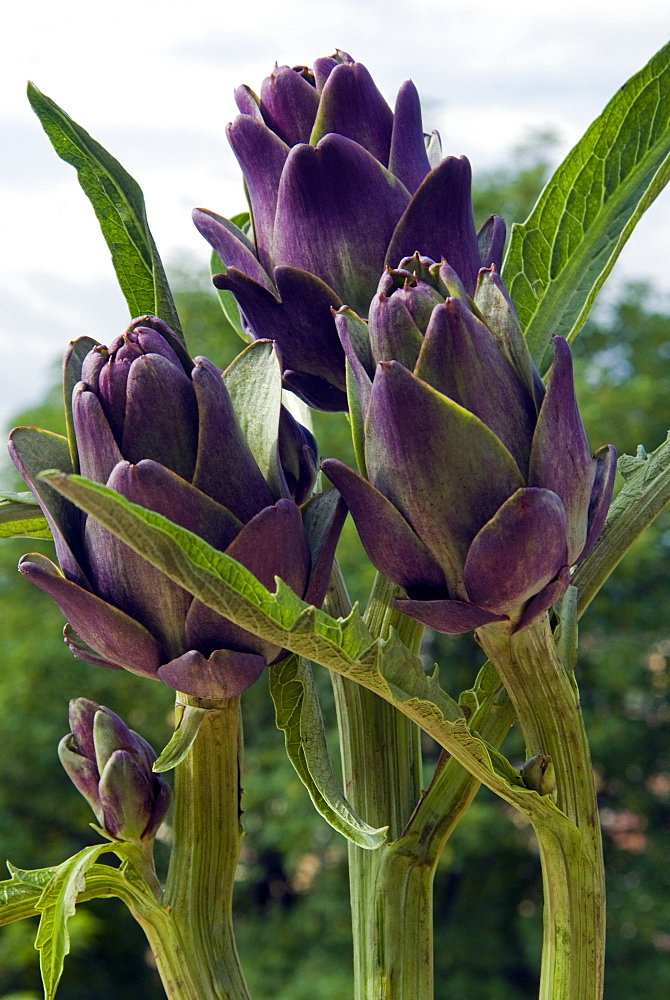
480, 492
111, 766
164, 434
338, 186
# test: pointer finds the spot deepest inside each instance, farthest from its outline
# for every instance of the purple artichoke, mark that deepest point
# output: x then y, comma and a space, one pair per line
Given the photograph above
481, 490
111, 766
168, 439
338, 186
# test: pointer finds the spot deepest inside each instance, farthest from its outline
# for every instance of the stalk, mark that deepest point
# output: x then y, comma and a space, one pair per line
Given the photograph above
391, 898
546, 703
199, 890
181, 977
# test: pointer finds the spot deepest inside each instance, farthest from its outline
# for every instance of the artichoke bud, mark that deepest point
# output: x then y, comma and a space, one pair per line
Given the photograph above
399, 315
481, 476
422, 267
539, 775
111, 766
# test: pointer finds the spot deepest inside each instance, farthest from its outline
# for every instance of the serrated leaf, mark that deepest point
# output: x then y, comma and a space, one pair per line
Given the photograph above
57, 904
21, 517
298, 715
344, 645
118, 203
217, 579
182, 739
20, 893
558, 259
645, 492
400, 668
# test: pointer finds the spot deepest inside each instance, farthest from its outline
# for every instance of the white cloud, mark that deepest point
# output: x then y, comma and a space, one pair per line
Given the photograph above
153, 81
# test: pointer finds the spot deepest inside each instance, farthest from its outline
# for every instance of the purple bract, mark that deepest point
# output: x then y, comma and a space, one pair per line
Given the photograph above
481, 491
111, 766
338, 186
165, 436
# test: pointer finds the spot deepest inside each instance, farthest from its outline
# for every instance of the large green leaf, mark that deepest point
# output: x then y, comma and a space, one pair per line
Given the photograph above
560, 256
299, 716
386, 667
21, 517
219, 581
119, 206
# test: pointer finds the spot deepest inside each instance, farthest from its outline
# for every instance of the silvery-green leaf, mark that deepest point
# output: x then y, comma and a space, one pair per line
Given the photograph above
119, 206
20, 893
645, 493
299, 716
386, 667
253, 381
57, 904
21, 517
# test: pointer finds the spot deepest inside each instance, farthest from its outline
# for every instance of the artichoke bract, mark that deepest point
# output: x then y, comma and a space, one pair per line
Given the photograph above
338, 186
164, 434
111, 766
481, 491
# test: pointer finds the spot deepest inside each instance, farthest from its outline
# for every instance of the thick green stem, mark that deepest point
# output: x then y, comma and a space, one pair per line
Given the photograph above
453, 788
181, 977
381, 759
547, 706
199, 889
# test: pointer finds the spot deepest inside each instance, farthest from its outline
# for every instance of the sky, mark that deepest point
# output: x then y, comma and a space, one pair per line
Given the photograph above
153, 82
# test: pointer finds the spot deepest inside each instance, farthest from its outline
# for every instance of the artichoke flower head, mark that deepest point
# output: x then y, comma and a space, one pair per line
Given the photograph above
338, 186
112, 768
480, 492
163, 432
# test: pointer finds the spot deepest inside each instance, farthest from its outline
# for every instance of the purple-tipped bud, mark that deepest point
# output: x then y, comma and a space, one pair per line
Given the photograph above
111, 766
167, 438
482, 492
399, 316
339, 185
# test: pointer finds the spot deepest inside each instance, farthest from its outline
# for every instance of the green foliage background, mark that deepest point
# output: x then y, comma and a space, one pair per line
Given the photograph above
291, 904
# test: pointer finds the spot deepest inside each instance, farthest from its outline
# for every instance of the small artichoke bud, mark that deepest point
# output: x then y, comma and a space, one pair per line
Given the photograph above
111, 766
539, 775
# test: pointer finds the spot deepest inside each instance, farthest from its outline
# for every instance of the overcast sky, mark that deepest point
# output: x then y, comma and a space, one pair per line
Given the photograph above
153, 82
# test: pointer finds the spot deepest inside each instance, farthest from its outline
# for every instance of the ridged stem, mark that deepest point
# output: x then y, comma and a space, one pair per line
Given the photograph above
547, 707
391, 898
206, 843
